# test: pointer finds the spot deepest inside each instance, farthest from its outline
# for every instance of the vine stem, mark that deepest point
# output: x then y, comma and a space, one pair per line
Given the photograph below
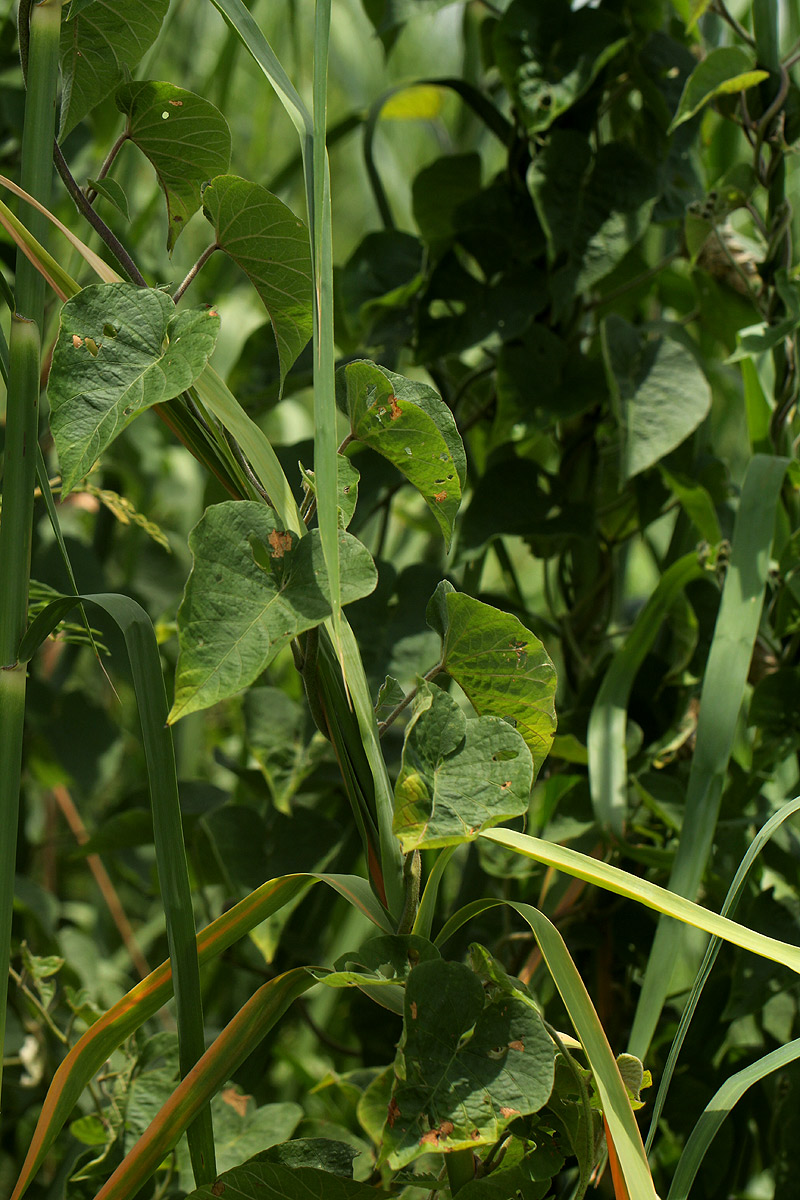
91, 193
194, 271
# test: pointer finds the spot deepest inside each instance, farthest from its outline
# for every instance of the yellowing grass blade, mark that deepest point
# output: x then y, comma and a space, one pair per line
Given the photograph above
237, 1040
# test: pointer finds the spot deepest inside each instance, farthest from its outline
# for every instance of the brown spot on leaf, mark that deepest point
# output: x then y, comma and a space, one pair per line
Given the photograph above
413, 1010
393, 1112
476, 1133
439, 496
395, 407
236, 1099
446, 1128
510, 1112
217, 1188
281, 542
176, 103
505, 786
77, 341
516, 1046
430, 1139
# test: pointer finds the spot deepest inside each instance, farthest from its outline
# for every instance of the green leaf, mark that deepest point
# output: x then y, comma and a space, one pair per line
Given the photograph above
241, 1130
458, 776
99, 47
501, 666
320, 1152
185, 138
661, 393
382, 959
280, 588
347, 477
723, 71
120, 349
408, 423
271, 246
259, 1180
548, 55
276, 734
470, 1061
113, 192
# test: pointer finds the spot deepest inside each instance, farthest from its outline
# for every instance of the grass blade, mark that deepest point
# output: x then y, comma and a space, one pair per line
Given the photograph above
721, 697
712, 950
608, 761
617, 1109
237, 1040
717, 1110
87, 1056
670, 904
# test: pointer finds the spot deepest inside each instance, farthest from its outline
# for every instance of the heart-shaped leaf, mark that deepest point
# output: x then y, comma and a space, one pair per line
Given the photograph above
185, 138
503, 668
408, 423
253, 587
271, 245
100, 45
458, 776
471, 1060
120, 349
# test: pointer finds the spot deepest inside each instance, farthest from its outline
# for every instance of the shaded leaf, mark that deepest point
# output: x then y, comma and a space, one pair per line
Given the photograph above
458, 776
549, 56
260, 1180
185, 138
270, 244
278, 738
347, 477
120, 349
280, 587
320, 1152
408, 423
723, 71
500, 665
241, 1130
661, 393
99, 47
468, 1064
113, 192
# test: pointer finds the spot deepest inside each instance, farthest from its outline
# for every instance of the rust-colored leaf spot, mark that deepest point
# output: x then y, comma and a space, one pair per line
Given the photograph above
430, 1139
476, 1133
77, 341
505, 786
236, 1099
393, 1112
395, 407
176, 103
280, 543
217, 1188
446, 1128
413, 1010
516, 1045
439, 496
510, 1112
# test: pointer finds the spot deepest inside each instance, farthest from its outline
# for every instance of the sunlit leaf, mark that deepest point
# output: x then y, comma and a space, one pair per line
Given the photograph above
185, 138
407, 422
120, 350
254, 586
270, 244
726, 70
98, 46
503, 668
458, 776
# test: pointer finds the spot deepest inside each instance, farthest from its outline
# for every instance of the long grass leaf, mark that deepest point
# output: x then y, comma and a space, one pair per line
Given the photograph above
87, 1056
229, 1050
670, 904
608, 761
617, 1109
712, 950
718, 1108
720, 701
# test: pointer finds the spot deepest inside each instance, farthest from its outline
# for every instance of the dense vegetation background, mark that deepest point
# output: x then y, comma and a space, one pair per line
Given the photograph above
566, 234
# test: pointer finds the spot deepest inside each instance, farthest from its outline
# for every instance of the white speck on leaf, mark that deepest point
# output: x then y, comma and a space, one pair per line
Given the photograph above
164, 116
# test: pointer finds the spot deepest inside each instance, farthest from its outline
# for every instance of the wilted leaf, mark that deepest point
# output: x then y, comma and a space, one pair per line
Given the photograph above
408, 423
185, 138
503, 668
98, 46
458, 776
253, 587
120, 349
270, 244
468, 1064
661, 393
